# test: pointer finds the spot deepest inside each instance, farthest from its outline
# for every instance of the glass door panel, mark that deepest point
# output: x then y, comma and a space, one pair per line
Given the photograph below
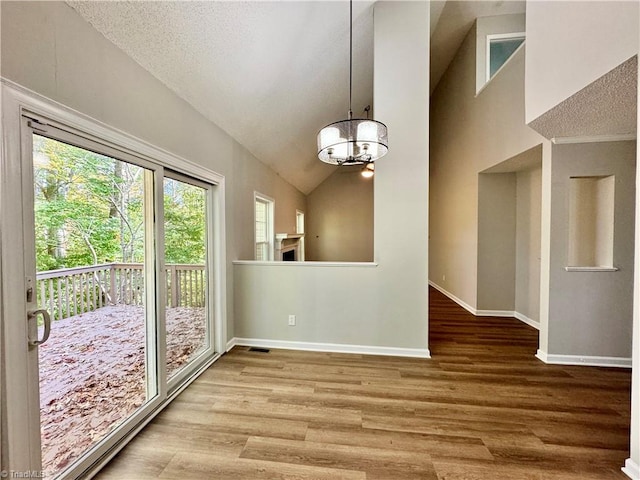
93, 242
185, 238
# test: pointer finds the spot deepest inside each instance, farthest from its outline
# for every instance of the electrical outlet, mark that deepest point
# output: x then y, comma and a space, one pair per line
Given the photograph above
444, 278
292, 320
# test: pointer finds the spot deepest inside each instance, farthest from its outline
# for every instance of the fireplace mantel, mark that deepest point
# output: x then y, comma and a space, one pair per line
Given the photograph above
287, 236
285, 242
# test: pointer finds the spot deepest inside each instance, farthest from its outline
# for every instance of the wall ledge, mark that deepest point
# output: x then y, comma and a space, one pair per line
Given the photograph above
304, 264
631, 469
329, 347
583, 360
591, 269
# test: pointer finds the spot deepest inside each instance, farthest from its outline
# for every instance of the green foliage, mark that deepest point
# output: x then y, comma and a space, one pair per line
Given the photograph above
184, 215
89, 209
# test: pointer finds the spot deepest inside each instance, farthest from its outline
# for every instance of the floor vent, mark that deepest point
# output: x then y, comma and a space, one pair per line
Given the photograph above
258, 349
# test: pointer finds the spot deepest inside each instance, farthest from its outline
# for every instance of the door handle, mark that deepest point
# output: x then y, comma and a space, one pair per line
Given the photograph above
47, 325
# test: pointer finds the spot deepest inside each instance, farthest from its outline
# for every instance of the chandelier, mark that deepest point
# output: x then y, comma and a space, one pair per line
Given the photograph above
354, 141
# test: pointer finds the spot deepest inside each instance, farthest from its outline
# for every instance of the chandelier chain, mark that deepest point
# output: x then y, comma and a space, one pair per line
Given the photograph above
353, 141
350, 55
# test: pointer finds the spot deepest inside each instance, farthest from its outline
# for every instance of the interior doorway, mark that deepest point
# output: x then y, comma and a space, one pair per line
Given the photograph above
509, 238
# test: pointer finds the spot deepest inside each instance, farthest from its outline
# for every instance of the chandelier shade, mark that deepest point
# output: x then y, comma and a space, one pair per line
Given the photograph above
352, 142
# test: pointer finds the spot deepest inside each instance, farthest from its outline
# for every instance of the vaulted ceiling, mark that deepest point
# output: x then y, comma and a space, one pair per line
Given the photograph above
270, 74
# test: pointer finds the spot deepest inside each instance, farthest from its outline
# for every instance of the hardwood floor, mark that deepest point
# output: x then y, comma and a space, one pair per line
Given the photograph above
483, 408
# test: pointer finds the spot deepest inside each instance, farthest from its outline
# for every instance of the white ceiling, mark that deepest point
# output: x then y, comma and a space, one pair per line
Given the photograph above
270, 74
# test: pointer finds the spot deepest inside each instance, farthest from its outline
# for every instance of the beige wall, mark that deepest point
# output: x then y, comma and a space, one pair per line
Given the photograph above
528, 222
590, 313
471, 134
496, 241
47, 47
253, 176
570, 45
371, 306
340, 218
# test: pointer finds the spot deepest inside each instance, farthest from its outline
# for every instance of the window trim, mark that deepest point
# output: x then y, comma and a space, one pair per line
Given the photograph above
499, 36
300, 213
271, 207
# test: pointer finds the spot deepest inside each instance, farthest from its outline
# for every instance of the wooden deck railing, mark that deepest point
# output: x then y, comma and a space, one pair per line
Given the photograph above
72, 291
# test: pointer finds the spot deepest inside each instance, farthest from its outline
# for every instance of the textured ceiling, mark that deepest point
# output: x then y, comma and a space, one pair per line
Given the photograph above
604, 107
270, 74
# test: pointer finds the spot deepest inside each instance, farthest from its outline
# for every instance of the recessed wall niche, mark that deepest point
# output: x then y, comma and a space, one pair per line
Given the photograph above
591, 221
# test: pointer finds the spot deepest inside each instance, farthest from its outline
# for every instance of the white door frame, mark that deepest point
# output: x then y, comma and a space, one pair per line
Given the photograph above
20, 444
300, 213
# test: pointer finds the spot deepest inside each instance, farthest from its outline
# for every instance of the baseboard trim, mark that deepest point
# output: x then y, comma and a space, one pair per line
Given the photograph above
230, 344
542, 356
330, 347
460, 302
631, 469
486, 313
584, 360
529, 321
494, 313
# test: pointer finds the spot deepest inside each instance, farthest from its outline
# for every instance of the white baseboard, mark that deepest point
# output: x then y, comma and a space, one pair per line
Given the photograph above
494, 313
631, 469
529, 321
542, 356
586, 360
487, 313
230, 344
329, 347
463, 304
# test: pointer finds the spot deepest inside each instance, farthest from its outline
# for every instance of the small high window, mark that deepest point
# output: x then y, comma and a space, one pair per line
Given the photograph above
500, 47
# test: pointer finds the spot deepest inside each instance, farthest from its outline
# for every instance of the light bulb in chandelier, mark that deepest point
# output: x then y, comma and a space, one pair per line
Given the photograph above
368, 170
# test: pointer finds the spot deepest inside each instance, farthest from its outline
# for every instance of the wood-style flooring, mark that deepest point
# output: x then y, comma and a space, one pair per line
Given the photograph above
483, 408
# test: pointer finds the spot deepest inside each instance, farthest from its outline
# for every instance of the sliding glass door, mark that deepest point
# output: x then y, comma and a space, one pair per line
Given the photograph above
187, 283
94, 296
111, 272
